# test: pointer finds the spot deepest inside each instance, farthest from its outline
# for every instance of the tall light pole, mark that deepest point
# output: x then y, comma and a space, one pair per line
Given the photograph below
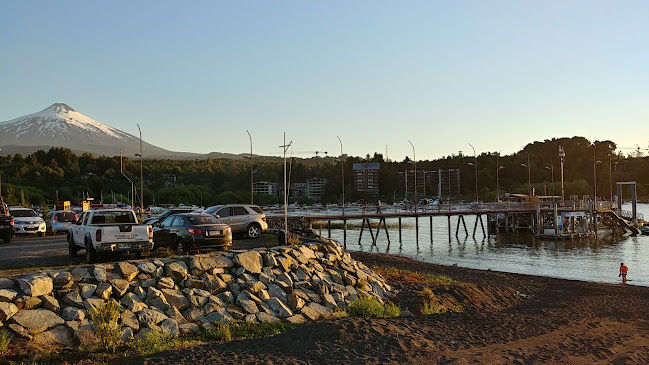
562, 157
551, 168
342, 172
475, 165
595, 178
498, 183
141, 176
251, 176
121, 169
529, 175
285, 147
414, 158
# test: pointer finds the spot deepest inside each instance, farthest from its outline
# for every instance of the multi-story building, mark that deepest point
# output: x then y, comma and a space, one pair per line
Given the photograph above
264, 188
443, 183
315, 188
366, 177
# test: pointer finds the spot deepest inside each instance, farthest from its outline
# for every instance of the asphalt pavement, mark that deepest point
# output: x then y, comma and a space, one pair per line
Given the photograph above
52, 251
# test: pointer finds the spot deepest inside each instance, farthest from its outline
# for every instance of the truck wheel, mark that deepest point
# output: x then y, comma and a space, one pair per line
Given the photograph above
92, 256
41, 234
72, 248
253, 230
7, 237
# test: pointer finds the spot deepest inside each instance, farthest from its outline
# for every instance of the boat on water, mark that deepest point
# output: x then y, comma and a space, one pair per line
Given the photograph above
644, 229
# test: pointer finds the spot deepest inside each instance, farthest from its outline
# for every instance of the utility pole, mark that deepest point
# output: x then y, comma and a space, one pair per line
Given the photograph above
141, 177
251, 176
285, 147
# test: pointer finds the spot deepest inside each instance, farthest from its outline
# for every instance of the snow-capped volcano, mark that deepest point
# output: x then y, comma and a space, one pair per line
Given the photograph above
62, 126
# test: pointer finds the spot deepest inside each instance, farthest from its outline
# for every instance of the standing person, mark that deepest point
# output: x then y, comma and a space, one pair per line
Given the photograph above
623, 272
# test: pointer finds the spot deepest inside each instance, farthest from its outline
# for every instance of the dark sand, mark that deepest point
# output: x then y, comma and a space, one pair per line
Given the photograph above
560, 321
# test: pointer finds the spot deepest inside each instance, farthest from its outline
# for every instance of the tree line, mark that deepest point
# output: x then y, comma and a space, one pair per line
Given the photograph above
45, 176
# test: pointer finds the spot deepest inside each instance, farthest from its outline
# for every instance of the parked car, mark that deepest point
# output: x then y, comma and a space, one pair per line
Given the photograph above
165, 214
59, 221
190, 232
26, 221
246, 218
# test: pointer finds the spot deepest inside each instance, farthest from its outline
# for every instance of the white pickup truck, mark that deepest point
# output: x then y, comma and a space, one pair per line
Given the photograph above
109, 230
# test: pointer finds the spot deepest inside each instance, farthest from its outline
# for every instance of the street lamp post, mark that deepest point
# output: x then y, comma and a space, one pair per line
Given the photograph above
551, 168
595, 179
285, 147
121, 169
475, 165
562, 156
498, 183
141, 176
414, 158
529, 175
251, 176
342, 172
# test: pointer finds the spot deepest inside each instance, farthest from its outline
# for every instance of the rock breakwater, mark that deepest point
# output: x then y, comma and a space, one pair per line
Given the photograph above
187, 294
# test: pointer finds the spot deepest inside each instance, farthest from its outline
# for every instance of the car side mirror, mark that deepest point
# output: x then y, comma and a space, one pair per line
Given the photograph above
217, 216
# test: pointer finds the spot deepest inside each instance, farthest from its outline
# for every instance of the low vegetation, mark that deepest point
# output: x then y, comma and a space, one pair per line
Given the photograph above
370, 307
5, 339
104, 320
431, 304
394, 274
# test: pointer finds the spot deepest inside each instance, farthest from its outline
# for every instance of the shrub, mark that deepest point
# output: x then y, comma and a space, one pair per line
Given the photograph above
5, 339
104, 321
370, 307
433, 305
243, 330
222, 332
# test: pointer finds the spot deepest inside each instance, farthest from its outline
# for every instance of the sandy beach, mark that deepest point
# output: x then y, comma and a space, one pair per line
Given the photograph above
505, 319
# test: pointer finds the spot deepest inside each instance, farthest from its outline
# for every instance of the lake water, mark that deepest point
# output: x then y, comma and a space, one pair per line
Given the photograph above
581, 259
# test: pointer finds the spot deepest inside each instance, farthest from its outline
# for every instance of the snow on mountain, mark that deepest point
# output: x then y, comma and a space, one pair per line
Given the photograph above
60, 125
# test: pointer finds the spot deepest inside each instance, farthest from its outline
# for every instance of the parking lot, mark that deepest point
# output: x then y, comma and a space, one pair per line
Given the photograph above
50, 251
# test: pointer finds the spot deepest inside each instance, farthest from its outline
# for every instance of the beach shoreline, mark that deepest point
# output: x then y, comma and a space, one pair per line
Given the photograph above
518, 319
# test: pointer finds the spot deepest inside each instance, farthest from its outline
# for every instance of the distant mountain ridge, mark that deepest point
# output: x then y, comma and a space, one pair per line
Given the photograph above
62, 126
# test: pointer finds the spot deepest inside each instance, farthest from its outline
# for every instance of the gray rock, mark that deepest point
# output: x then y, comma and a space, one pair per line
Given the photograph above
37, 320
6, 283
62, 280
132, 302
7, 310
56, 337
99, 272
248, 306
176, 298
177, 270
276, 292
250, 260
73, 314
120, 286
146, 267
129, 319
269, 260
148, 317
295, 302
74, 299
322, 310
166, 283
20, 331
79, 273
220, 315
35, 285
250, 318
7, 295
265, 278
50, 303
296, 319
126, 334
87, 290
169, 327
175, 314
266, 318
279, 308
128, 270
87, 336
214, 284
27, 302
201, 263
93, 304
329, 302
189, 328
104, 290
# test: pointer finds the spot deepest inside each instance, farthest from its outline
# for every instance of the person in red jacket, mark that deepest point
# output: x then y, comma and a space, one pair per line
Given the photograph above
623, 272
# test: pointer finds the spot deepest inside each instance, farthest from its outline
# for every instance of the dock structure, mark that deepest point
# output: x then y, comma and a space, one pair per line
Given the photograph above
569, 219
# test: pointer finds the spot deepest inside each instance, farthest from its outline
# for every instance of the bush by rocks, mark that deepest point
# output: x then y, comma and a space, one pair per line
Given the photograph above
185, 294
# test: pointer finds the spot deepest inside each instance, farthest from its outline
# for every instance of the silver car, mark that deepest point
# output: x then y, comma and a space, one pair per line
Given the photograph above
59, 221
26, 221
246, 218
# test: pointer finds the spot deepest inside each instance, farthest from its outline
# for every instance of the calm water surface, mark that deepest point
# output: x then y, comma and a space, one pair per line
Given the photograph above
581, 259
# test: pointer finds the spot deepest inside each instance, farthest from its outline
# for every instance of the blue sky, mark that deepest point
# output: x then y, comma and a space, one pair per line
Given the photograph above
442, 74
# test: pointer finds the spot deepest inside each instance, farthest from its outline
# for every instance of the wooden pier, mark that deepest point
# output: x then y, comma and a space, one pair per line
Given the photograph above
569, 219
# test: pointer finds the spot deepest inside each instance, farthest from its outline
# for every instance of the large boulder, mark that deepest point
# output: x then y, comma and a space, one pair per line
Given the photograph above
37, 320
177, 270
56, 337
279, 308
7, 310
128, 270
7, 295
35, 285
250, 260
150, 317
176, 298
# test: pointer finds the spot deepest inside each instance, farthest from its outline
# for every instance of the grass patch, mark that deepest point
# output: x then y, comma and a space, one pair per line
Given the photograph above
370, 307
394, 274
5, 338
222, 332
243, 330
154, 342
433, 305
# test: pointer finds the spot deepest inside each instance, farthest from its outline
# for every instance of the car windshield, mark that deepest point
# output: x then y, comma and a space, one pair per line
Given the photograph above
198, 220
22, 213
257, 209
66, 216
113, 217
